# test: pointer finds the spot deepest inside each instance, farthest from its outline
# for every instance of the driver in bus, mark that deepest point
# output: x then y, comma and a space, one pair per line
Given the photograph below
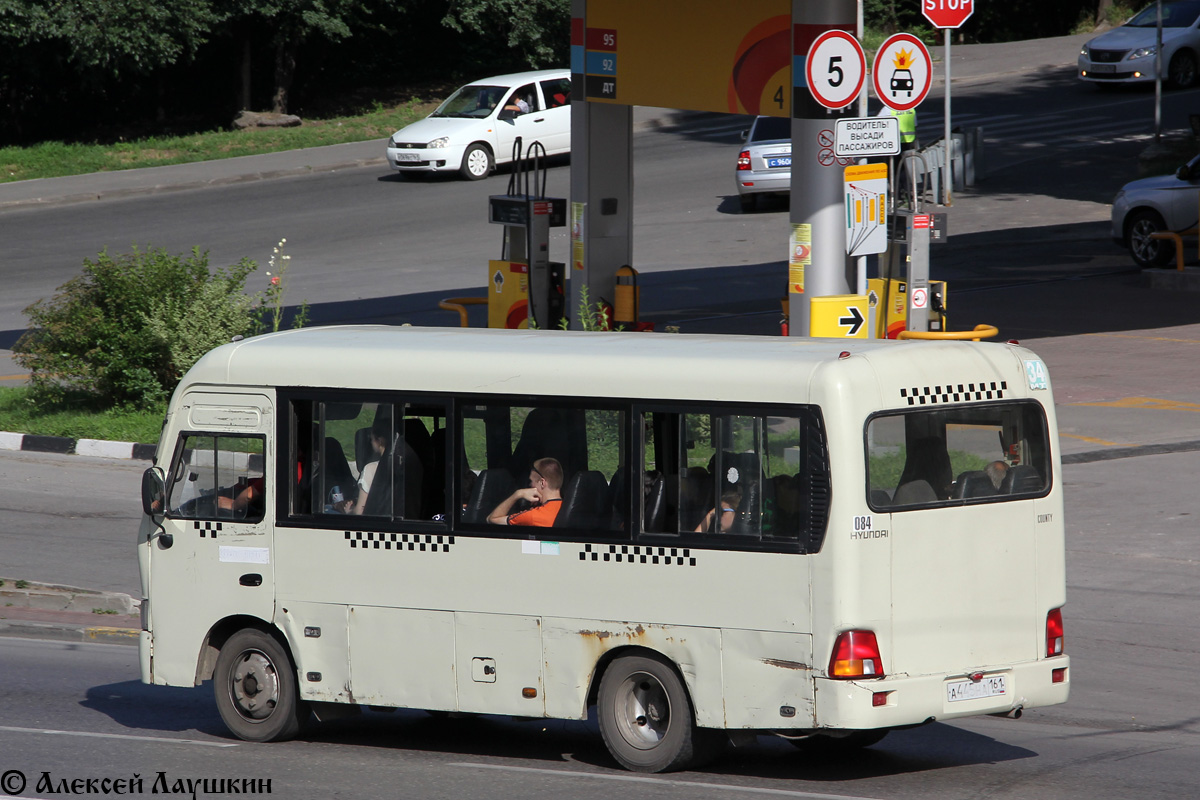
545, 492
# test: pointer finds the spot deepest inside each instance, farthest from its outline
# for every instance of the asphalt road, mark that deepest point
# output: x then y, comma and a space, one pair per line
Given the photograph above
367, 245
1129, 730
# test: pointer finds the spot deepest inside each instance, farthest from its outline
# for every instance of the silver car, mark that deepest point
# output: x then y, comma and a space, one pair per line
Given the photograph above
764, 166
1153, 205
1126, 54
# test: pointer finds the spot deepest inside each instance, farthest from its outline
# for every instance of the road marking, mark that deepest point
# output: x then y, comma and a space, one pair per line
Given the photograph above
1148, 403
14, 377
1094, 440
91, 735
723, 787
1147, 338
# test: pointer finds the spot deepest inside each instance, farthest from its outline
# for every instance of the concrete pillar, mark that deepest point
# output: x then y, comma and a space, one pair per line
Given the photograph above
817, 178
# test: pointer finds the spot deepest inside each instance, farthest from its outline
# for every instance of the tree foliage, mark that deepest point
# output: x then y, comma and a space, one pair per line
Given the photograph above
124, 332
192, 64
537, 30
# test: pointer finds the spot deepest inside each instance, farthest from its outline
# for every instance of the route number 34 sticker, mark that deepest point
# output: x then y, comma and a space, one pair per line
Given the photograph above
1035, 373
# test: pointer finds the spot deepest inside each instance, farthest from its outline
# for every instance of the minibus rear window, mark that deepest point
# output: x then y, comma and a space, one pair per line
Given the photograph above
957, 456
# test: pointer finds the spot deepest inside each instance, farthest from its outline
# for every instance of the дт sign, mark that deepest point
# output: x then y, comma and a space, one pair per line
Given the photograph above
947, 13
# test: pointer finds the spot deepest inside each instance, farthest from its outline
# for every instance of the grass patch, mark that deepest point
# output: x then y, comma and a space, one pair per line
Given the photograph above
76, 420
58, 159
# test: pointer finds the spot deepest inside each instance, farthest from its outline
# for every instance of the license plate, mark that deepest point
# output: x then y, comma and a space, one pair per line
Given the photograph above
408, 156
1104, 68
991, 686
779, 161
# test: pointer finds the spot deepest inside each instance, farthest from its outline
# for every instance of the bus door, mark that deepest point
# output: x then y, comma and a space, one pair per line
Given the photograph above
215, 559
963, 487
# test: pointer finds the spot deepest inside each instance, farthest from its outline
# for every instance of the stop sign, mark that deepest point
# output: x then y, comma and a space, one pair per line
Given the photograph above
947, 13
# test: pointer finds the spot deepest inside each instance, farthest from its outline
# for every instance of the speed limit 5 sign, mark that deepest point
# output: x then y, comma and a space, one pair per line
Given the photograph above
835, 69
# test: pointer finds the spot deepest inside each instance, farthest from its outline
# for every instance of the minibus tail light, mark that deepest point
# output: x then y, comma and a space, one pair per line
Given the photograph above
856, 655
1054, 633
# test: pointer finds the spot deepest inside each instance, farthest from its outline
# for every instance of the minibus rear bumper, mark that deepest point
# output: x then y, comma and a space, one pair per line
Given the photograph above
907, 700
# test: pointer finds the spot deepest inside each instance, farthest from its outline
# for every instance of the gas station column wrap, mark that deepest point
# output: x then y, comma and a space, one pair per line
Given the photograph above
818, 265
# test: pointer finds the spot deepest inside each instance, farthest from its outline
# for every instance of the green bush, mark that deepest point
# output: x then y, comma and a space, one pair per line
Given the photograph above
125, 331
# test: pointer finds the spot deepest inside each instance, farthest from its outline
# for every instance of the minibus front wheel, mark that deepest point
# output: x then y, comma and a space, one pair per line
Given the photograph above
255, 688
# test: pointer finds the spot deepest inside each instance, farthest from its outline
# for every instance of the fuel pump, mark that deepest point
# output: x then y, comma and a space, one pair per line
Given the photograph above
905, 297
524, 284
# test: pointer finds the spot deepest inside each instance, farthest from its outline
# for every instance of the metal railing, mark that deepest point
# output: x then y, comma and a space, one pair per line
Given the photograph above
460, 304
980, 332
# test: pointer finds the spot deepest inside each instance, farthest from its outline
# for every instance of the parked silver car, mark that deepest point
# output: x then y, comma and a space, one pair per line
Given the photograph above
1153, 205
1126, 54
764, 165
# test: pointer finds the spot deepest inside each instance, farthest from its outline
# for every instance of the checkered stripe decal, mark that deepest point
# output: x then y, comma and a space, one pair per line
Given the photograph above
416, 542
208, 530
954, 393
636, 554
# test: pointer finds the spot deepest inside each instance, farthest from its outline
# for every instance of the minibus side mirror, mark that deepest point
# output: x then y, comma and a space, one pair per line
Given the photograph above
154, 491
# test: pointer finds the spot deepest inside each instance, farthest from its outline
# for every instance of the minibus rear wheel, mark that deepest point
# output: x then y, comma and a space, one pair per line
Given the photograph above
646, 717
255, 687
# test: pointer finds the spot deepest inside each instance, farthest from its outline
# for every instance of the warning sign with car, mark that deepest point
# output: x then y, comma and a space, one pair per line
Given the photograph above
902, 72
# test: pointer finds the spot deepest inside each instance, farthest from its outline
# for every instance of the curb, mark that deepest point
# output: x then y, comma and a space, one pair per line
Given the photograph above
62, 445
185, 185
46, 597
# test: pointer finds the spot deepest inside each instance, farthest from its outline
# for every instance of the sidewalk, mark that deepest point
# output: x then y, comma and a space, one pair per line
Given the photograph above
67, 613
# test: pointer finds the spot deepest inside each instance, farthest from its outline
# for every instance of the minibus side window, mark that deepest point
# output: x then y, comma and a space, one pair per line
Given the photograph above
218, 477
722, 478
368, 458
502, 444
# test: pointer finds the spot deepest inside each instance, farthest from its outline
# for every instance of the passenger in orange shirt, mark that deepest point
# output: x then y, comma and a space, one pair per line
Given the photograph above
545, 492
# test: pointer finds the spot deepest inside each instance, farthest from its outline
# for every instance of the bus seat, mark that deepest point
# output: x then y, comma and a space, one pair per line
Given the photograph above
418, 438
618, 489
363, 454
695, 497
927, 460
655, 513
336, 468
585, 502
491, 487
880, 498
557, 433
1022, 479
914, 493
973, 483
401, 459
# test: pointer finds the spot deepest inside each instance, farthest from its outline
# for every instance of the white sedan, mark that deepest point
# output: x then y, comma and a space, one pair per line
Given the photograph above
476, 127
1126, 54
1154, 205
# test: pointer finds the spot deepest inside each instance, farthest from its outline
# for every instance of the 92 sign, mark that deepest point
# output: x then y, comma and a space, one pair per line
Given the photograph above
835, 69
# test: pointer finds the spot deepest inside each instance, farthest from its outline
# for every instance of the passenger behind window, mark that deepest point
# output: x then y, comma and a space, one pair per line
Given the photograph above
730, 500
996, 472
381, 431
545, 492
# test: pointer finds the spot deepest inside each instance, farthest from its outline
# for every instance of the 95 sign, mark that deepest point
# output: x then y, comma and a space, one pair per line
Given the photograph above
835, 69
